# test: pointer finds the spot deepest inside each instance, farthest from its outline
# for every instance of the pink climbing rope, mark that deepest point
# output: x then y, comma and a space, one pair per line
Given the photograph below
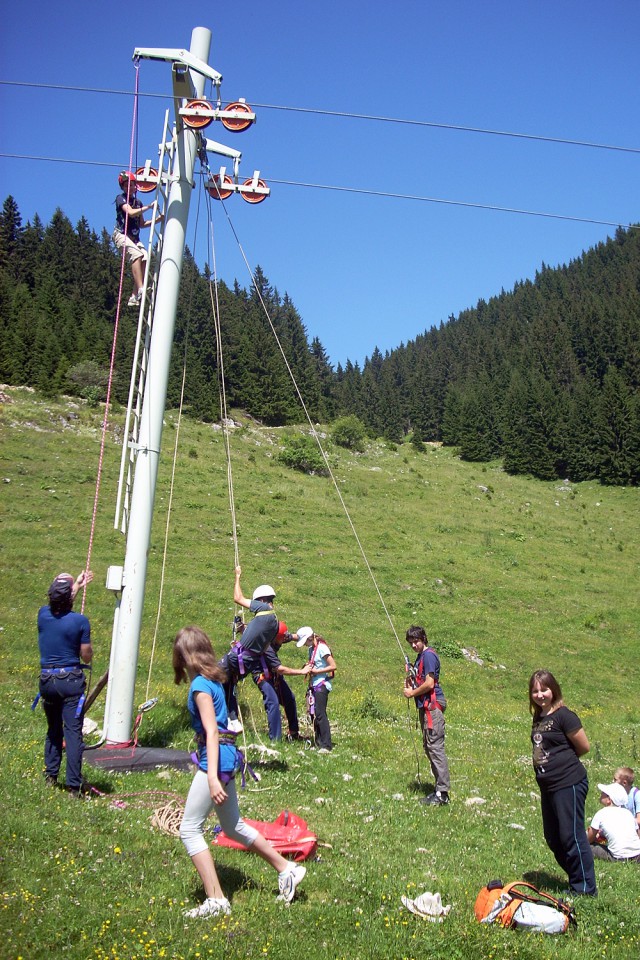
105, 421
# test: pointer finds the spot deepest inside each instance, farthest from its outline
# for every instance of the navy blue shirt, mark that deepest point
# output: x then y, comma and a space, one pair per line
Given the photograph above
428, 662
261, 631
133, 223
60, 637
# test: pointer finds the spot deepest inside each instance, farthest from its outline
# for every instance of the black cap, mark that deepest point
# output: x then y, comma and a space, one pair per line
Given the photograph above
60, 589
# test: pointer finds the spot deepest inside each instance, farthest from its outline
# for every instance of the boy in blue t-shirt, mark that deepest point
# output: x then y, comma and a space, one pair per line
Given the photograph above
625, 776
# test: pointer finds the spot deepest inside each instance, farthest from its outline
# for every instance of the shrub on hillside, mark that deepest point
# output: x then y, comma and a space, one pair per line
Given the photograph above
349, 432
302, 453
89, 380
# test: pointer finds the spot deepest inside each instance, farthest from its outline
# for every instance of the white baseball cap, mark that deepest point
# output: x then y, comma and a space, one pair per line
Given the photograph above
304, 633
616, 793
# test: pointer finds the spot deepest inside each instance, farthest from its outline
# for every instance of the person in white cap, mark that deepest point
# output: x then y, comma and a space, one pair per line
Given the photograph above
248, 655
323, 667
612, 833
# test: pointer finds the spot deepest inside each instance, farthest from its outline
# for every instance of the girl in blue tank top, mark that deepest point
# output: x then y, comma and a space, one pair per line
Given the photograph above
213, 785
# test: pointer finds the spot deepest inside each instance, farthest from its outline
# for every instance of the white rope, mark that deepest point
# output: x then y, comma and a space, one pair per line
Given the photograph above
172, 484
314, 433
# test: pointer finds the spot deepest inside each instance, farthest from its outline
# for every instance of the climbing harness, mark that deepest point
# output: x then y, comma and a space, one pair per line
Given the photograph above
430, 703
63, 673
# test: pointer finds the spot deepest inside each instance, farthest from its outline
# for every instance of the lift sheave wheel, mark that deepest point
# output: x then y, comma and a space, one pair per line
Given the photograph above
216, 189
237, 124
250, 196
198, 123
146, 185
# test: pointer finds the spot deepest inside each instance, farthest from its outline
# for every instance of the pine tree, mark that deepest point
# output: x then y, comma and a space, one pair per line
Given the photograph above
619, 427
11, 237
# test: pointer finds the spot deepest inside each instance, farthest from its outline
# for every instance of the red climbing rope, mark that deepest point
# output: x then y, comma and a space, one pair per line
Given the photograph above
105, 421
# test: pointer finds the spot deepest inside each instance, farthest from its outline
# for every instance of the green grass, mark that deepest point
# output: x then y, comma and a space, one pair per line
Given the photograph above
529, 574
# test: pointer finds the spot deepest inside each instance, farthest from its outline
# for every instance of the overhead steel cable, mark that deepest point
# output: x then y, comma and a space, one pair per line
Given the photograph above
453, 203
349, 115
496, 208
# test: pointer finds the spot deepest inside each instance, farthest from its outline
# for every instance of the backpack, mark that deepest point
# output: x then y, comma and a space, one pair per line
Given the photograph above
522, 905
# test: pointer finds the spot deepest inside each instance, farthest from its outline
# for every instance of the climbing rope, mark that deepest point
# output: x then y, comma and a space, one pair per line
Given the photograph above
225, 420
173, 469
105, 421
222, 394
314, 434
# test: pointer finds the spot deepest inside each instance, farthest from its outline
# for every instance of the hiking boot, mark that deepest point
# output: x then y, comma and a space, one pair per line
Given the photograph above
436, 799
210, 908
51, 781
83, 792
288, 880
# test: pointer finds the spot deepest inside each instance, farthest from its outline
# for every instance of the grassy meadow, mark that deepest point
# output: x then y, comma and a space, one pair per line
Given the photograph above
527, 574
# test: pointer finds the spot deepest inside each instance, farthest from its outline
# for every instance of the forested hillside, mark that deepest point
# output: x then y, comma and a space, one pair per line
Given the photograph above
545, 377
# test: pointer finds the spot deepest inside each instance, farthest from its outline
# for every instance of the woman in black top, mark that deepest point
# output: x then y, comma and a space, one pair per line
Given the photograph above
558, 741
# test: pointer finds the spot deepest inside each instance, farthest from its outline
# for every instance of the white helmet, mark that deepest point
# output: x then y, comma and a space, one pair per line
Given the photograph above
265, 592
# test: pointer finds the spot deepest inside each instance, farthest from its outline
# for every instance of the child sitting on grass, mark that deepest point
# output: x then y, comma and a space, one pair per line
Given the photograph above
614, 825
624, 775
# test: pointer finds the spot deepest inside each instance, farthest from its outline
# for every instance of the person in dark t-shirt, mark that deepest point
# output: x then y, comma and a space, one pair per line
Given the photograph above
64, 641
251, 653
558, 741
126, 233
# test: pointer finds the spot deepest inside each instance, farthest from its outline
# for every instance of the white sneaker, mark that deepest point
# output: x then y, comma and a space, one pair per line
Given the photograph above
288, 880
133, 301
210, 908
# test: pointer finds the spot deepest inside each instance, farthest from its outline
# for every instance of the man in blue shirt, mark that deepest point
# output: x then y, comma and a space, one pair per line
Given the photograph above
64, 640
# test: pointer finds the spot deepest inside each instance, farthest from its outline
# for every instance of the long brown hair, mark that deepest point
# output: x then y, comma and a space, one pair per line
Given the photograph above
192, 648
545, 679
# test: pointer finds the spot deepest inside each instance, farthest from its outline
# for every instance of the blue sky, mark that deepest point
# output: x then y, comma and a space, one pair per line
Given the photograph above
363, 270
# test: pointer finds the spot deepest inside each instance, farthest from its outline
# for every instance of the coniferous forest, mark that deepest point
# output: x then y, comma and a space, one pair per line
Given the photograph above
545, 377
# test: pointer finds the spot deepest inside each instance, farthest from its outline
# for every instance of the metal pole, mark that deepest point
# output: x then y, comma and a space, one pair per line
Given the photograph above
124, 660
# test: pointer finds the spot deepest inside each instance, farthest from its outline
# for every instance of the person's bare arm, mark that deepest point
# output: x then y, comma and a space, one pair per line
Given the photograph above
579, 742
238, 596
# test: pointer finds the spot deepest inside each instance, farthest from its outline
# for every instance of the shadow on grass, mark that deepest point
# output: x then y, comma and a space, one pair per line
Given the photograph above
233, 879
546, 881
277, 766
420, 789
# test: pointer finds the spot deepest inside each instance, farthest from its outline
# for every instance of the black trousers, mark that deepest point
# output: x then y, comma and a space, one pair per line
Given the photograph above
321, 728
564, 831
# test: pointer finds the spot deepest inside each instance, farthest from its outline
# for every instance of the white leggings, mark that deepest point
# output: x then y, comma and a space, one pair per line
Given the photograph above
198, 807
